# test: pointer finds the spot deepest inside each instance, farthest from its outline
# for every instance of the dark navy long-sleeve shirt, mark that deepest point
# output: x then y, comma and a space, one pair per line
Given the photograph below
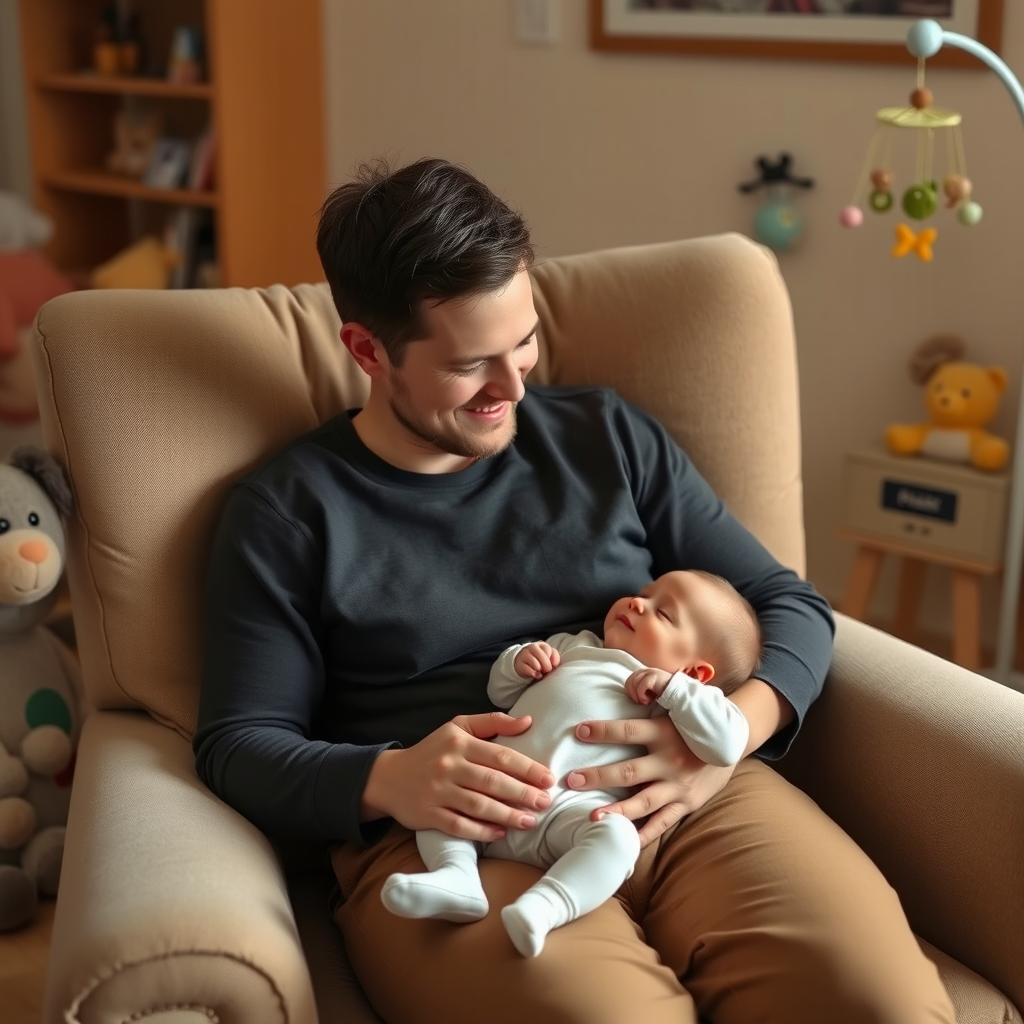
352, 606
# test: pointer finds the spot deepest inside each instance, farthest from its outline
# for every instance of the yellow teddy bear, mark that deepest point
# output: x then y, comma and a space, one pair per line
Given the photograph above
961, 399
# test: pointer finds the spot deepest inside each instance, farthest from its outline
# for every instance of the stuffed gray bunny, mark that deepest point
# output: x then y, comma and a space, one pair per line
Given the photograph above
40, 713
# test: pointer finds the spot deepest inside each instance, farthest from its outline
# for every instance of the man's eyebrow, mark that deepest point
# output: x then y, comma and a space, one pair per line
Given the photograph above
477, 359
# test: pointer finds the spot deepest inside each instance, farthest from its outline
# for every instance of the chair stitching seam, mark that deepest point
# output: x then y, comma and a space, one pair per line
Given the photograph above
71, 1013
81, 517
161, 1007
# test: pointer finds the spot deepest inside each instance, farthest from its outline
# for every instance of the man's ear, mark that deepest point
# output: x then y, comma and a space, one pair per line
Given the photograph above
365, 349
702, 671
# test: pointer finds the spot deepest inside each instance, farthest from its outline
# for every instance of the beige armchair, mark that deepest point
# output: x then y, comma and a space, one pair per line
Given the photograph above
172, 907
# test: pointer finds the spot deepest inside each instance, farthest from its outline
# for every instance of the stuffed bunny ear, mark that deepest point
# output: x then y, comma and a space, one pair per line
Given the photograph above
48, 473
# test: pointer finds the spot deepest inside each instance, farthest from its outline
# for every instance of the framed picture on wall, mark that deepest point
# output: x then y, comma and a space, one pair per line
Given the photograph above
859, 30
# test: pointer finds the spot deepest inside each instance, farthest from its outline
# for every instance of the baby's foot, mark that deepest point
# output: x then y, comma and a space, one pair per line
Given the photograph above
528, 922
448, 893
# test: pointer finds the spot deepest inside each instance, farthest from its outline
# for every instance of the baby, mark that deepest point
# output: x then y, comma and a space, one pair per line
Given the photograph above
660, 651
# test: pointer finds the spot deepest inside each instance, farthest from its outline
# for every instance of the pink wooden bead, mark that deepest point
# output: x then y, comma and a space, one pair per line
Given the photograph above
851, 217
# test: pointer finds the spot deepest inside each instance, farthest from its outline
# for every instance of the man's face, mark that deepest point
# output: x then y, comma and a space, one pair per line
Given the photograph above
457, 389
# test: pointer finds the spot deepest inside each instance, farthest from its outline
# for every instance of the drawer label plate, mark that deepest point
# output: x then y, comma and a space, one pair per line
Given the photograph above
919, 501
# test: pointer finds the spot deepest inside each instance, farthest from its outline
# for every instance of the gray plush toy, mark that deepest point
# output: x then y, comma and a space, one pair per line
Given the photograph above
40, 713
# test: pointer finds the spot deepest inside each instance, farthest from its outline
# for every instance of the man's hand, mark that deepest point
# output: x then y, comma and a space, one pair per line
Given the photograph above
536, 660
455, 781
673, 781
647, 684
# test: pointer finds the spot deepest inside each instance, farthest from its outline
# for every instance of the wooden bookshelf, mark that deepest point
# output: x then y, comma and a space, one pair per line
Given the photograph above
126, 85
262, 96
100, 183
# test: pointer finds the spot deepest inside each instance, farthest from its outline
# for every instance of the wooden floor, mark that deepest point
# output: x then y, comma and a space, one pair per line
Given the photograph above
23, 957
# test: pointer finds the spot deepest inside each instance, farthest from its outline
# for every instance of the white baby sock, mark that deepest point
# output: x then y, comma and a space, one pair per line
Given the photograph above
599, 856
450, 891
541, 908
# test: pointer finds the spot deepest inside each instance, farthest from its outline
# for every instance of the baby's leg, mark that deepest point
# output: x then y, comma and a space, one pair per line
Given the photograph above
450, 887
599, 856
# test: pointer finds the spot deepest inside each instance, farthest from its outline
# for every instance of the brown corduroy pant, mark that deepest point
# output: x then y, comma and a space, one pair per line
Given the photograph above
756, 908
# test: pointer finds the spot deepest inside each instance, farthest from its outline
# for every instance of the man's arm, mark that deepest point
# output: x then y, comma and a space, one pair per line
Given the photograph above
765, 710
263, 681
689, 527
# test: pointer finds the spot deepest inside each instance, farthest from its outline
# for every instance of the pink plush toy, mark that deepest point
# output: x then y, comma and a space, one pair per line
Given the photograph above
27, 280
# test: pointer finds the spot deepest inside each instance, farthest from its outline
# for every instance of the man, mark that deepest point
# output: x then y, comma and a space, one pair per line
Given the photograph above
363, 580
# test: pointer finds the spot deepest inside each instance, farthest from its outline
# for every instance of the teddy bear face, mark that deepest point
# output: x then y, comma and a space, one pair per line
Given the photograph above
964, 394
31, 540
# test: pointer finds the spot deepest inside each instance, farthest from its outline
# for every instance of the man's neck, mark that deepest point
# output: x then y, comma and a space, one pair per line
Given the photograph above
390, 441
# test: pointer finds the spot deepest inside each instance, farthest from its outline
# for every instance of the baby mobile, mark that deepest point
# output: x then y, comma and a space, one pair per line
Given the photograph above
936, 129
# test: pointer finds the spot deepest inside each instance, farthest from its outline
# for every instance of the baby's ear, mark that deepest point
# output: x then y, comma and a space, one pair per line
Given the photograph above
702, 671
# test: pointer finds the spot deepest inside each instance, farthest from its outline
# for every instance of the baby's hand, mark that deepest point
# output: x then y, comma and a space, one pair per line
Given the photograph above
647, 684
536, 659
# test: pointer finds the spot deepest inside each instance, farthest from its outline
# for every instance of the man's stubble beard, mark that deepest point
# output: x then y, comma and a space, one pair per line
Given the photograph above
463, 446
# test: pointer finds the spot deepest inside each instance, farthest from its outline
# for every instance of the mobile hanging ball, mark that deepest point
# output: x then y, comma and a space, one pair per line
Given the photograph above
920, 201
970, 214
957, 188
880, 201
851, 217
881, 198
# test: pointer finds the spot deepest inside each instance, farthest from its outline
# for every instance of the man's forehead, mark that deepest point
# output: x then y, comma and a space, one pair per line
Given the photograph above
490, 318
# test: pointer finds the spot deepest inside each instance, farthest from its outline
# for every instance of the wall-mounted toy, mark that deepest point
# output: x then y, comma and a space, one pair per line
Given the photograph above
920, 196
778, 222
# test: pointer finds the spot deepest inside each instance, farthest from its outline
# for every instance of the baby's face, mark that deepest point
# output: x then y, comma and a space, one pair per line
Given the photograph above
660, 626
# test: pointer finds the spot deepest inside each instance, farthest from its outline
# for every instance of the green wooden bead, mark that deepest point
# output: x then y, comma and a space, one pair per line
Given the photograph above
880, 201
919, 201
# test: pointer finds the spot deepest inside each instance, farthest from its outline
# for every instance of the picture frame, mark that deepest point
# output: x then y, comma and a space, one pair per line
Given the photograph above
791, 29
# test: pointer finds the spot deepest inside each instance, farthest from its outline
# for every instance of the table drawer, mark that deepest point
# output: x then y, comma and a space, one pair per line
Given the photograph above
929, 505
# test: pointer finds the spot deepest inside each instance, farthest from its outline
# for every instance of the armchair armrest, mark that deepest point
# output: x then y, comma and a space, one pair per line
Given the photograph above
922, 763
168, 898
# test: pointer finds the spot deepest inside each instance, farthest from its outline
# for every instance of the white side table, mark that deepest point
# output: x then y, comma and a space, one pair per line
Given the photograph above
924, 511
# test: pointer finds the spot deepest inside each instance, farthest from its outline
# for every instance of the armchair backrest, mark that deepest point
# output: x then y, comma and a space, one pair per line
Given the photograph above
156, 401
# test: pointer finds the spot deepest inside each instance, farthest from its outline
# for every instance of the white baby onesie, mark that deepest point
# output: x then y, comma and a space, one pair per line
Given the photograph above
588, 860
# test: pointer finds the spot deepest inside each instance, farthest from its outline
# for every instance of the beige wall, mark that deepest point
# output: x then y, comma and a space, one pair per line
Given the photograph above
601, 150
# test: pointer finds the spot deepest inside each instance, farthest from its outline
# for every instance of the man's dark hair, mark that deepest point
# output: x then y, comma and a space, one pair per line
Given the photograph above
389, 239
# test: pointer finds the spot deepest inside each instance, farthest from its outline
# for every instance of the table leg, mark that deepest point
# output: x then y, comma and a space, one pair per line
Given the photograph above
908, 599
967, 619
861, 584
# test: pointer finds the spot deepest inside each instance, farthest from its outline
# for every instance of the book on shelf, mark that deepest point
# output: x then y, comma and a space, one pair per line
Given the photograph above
202, 164
190, 234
